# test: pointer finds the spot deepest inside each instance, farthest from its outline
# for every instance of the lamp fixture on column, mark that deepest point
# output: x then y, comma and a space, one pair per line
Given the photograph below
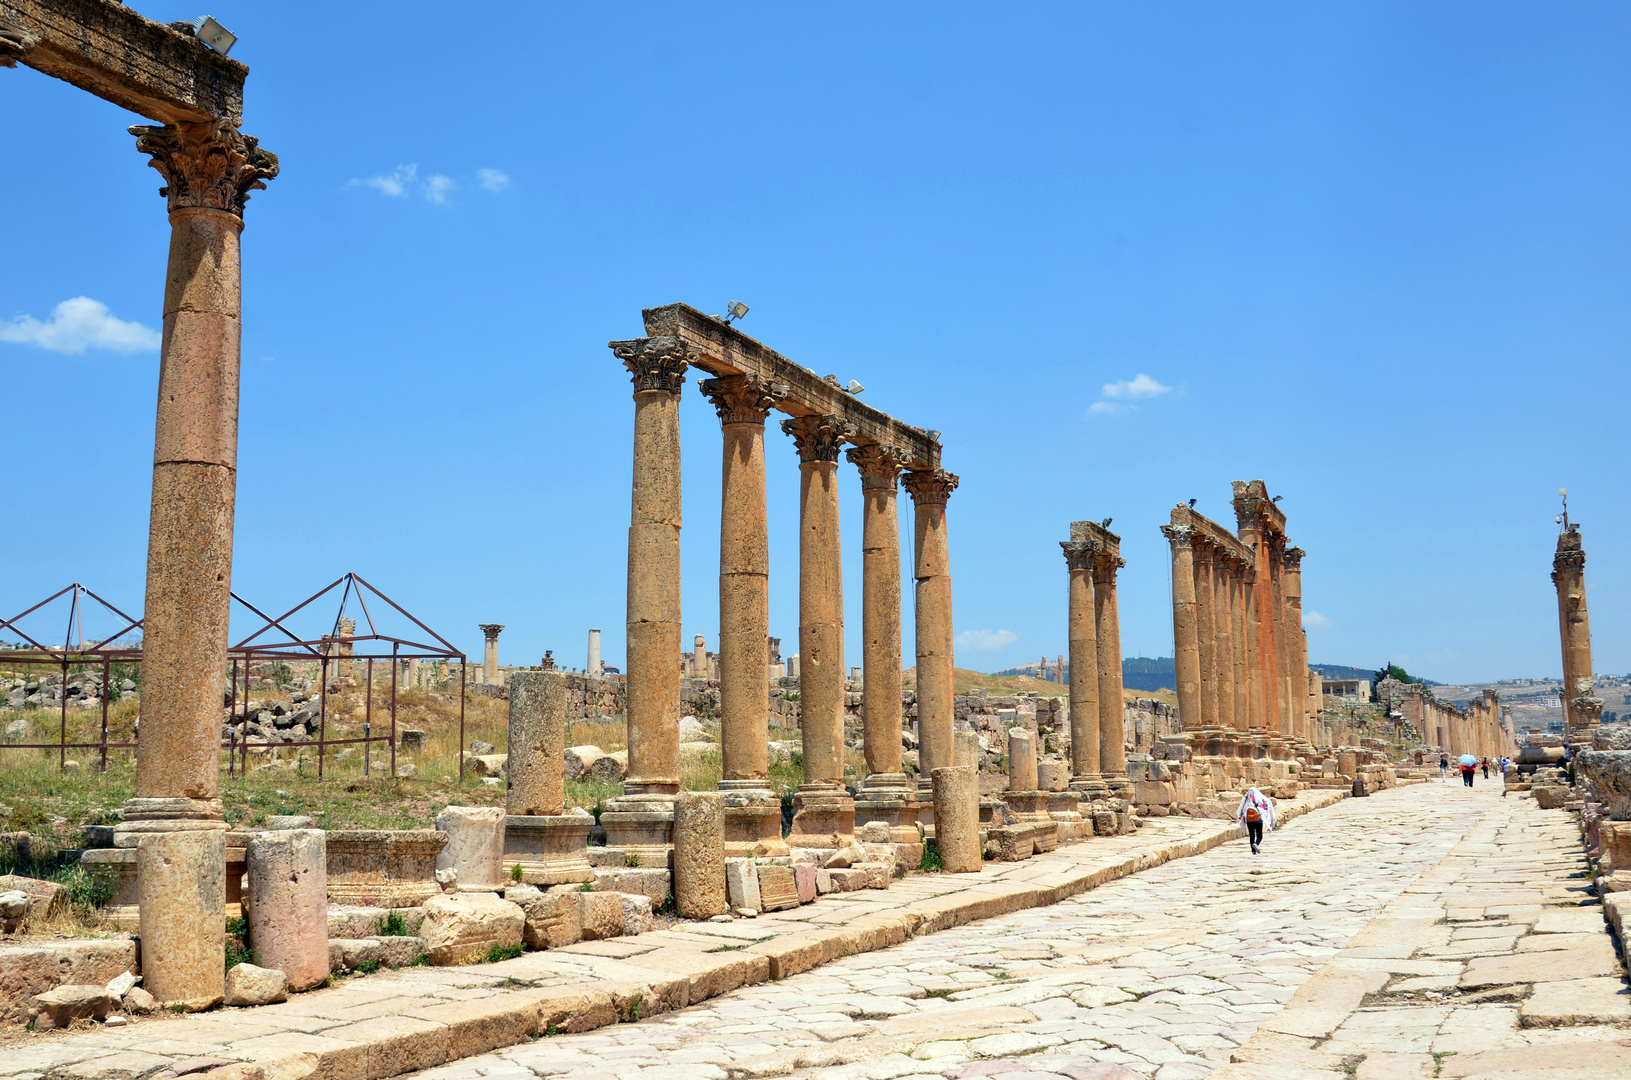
733, 311
214, 34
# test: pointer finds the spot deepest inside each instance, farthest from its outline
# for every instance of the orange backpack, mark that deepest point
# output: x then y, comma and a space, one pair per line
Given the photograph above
1253, 814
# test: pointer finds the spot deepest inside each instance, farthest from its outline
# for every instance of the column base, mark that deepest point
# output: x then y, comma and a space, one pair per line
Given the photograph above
144, 816
823, 817
925, 800
753, 820
1120, 787
641, 823
1030, 807
1090, 787
891, 798
551, 849
1065, 806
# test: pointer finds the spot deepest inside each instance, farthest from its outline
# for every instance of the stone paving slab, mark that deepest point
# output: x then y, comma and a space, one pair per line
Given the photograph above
415, 1018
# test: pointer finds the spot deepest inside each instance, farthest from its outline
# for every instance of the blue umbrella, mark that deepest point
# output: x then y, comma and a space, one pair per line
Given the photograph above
1468, 759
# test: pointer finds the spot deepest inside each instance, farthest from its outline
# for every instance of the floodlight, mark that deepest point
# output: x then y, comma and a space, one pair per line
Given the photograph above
854, 387
214, 34
733, 311
1563, 492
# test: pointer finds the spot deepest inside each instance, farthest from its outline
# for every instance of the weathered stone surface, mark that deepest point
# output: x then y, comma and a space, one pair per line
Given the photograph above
60, 1007
602, 915
139, 1002
878, 874
279, 822
777, 889
182, 881
463, 929
579, 761
355, 922
384, 868
1557, 965
1548, 797
554, 917
247, 984
699, 855
45, 898
742, 884
475, 843
287, 905
636, 912
1575, 1002
537, 744
1015, 842
349, 954
486, 765
804, 880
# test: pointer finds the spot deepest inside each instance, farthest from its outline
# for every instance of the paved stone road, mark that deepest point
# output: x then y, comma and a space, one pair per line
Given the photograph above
1164, 974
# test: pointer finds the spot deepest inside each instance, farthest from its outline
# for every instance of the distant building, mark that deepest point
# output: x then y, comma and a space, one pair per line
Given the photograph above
1356, 689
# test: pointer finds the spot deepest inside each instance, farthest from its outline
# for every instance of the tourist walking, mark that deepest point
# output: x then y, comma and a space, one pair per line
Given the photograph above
1256, 816
1469, 765
1443, 767
1485, 763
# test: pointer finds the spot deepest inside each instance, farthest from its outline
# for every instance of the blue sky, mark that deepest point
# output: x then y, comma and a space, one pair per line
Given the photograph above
1374, 254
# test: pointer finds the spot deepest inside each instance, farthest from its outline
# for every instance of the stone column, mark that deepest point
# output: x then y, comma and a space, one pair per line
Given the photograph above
288, 903
1280, 719
753, 816
413, 671
699, 855
886, 794
1237, 639
489, 661
593, 666
550, 845
1251, 624
957, 818
209, 169
181, 882
1084, 670
642, 818
699, 658
1223, 643
1296, 645
930, 489
1112, 729
824, 813
1582, 707
1206, 630
1185, 640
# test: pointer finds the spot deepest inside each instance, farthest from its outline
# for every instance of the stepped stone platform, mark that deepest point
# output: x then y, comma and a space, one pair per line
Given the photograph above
414, 1018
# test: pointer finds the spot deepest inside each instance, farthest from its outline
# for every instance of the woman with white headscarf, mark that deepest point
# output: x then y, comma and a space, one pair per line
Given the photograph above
1256, 816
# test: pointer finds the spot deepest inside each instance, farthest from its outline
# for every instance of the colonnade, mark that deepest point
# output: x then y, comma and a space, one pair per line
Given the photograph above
1482, 729
1098, 756
825, 815
1244, 686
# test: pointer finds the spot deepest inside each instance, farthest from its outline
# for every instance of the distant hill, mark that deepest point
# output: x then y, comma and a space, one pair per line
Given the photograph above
1339, 671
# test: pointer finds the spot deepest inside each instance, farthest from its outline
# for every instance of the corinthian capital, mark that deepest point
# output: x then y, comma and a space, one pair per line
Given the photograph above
1569, 561
1179, 535
206, 165
818, 438
880, 465
1105, 565
930, 487
655, 363
1294, 558
742, 399
14, 42
1079, 553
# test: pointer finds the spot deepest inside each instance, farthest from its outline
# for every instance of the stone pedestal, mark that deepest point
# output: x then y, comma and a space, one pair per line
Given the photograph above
475, 843
552, 849
288, 904
383, 868
823, 818
537, 743
1031, 807
957, 818
641, 824
182, 889
753, 820
891, 798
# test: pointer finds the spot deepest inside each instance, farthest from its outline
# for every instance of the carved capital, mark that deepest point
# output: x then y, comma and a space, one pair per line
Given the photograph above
742, 399
655, 363
14, 42
207, 165
880, 465
1569, 561
1181, 536
818, 438
1079, 553
1105, 565
930, 487
1294, 558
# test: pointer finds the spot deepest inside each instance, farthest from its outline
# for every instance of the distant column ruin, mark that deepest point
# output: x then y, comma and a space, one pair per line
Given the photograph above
1582, 708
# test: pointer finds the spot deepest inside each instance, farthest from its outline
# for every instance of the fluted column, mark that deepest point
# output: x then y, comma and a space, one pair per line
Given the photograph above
1084, 670
885, 794
930, 489
1112, 733
1185, 641
752, 809
641, 819
1583, 708
824, 814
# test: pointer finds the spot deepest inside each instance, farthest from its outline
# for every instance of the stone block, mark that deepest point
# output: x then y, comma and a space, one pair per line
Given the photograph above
56, 1009
349, 954
475, 843
383, 867
553, 917
777, 889
877, 874
700, 890
45, 898
824, 882
462, 929
248, 984
804, 881
287, 905
1151, 793
602, 915
1575, 1002
396, 952
636, 913
1013, 842
742, 884
579, 761
42, 966
848, 880
345, 921
1105, 822
1052, 775
656, 884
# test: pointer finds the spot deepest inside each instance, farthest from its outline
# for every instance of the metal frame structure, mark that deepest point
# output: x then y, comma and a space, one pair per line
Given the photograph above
326, 650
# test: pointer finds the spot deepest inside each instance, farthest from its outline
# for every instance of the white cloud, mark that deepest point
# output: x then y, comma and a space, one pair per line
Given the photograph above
394, 185
1118, 396
1139, 386
1315, 621
80, 324
493, 180
437, 187
985, 640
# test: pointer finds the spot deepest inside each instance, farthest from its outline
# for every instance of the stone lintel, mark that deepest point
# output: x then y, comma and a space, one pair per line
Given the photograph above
1204, 532
724, 350
109, 50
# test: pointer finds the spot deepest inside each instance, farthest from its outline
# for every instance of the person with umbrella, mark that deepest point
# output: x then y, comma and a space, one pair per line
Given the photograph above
1469, 765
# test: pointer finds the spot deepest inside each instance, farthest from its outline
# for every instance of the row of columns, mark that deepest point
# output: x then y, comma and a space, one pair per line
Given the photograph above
1582, 708
825, 815
1482, 729
1098, 751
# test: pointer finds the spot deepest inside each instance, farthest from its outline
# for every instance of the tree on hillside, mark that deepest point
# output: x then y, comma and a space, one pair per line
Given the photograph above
1393, 671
